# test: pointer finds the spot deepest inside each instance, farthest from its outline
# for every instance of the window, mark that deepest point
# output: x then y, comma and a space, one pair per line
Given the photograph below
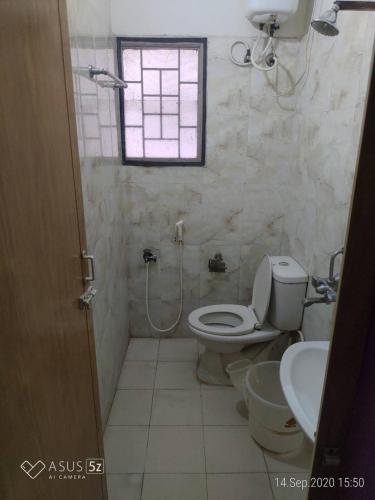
163, 110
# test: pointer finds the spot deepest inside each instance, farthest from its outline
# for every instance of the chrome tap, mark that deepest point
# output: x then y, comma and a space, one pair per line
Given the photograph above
333, 279
327, 287
314, 300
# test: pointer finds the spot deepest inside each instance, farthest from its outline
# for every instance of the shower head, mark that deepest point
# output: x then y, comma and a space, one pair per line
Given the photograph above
326, 24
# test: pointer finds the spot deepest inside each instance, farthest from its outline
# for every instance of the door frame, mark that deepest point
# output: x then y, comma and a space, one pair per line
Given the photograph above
354, 316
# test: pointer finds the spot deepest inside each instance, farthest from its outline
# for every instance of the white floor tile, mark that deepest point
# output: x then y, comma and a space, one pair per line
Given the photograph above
222, 407
296, 461
174, 487
231, 449
137, 375
176, 375
125, 449
239, 487
131, 407
142, 350
176, 407
175, 450
124, 486
178, 350
289, 490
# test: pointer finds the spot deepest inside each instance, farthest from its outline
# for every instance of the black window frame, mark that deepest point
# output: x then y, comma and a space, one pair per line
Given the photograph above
164, 41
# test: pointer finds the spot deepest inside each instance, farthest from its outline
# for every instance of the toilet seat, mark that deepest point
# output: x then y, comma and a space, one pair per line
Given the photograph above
224, 320
264, 335
230, 320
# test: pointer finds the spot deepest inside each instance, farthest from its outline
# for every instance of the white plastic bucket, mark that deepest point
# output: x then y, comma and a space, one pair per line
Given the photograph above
271, 422
237, 373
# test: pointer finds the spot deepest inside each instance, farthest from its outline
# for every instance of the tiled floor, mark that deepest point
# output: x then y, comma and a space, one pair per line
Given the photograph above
170, 437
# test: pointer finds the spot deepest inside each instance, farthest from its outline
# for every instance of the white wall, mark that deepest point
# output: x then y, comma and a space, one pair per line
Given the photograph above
194, 17
91, 18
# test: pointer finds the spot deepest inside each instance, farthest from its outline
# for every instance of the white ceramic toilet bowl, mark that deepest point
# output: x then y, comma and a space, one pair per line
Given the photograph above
227, 328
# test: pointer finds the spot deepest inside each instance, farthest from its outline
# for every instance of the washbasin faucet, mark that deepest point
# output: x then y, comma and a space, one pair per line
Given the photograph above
326, 287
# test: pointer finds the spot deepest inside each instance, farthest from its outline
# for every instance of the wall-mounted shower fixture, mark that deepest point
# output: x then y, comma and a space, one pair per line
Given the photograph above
326, 24
117, 83
217, 264
91, 73
326, 287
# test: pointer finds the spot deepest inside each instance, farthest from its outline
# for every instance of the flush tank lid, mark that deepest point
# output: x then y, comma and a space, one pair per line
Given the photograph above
262, 289
287, 270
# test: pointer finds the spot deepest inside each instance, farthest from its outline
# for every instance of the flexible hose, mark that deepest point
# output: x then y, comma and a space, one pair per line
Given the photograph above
255, 59
169, 329
248, 51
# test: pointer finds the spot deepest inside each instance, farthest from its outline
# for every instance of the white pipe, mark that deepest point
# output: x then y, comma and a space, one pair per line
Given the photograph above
248, 51
170, 328
301, 335
255, 59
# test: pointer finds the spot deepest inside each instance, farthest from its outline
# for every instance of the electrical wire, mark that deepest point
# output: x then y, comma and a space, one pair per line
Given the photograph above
170, 328
294, 84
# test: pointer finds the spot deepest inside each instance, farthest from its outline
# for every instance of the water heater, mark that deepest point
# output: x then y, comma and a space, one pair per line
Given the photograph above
270, 11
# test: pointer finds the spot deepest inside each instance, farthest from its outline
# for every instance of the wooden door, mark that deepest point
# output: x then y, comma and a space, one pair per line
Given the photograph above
48, 387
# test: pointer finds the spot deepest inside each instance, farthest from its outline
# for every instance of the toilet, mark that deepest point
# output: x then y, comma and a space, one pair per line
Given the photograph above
279, 289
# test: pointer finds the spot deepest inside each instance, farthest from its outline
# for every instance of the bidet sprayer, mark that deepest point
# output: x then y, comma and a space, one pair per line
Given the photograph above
179, 234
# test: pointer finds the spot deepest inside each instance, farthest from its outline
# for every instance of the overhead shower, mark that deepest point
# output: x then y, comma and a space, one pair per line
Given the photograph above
326, 24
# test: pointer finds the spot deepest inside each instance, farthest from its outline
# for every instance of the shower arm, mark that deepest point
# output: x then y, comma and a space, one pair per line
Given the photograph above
117, 82
346, 5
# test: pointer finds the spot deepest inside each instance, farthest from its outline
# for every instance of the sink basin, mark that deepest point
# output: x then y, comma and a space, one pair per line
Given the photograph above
302, 373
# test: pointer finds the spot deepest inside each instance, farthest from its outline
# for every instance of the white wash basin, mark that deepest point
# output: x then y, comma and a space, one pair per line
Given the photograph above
302, 373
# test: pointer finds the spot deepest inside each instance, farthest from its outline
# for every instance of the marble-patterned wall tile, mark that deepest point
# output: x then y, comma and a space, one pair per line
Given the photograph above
277, 180
331, 105
169, 276
91, 43
138, 324
235, 201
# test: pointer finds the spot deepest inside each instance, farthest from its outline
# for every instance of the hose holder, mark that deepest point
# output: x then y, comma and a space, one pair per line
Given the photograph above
217, 264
